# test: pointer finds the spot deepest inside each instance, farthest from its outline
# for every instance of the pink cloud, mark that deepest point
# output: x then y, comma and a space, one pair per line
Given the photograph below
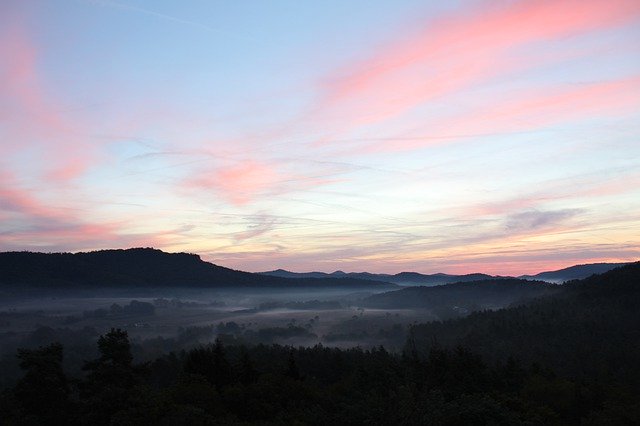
32, 120
247, 181
515, 262
507, 259
32, 223
535, 109
37, 221
462, 51
523, 112
564, 189
238, 183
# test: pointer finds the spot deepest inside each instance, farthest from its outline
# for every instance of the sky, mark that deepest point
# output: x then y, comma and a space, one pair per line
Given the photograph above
461, 136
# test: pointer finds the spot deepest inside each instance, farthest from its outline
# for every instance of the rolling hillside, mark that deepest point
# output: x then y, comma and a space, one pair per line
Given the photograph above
140, 267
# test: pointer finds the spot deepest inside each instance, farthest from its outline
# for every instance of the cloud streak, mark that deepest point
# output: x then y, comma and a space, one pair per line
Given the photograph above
31, 120
535, 220
31, 223
491, 131
462, 52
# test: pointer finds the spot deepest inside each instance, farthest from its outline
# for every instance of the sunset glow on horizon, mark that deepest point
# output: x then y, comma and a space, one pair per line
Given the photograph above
470, 136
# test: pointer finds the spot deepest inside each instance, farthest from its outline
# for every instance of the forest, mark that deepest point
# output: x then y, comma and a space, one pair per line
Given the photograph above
138, 267
569, 357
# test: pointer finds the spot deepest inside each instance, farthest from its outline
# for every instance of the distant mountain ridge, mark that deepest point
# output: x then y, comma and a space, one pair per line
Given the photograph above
147, 267
576, 272
402, 278
141, 267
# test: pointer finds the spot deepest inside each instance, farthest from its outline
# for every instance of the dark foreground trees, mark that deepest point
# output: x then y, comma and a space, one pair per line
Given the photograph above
42, 395
112, 384
572, 359
283, 385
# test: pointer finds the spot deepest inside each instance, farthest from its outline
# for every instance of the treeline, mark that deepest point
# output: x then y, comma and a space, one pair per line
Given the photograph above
215, 385
470, 296
571, 358
589, 330
138, 268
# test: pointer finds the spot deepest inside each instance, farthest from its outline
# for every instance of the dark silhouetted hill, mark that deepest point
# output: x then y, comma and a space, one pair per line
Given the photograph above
468, 296
576, 272
139, 267
402, 278
588, 327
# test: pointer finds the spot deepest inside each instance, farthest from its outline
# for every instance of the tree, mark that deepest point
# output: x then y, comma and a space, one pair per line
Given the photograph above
43, 392
109, 386
292, 369
211, 363
247, 373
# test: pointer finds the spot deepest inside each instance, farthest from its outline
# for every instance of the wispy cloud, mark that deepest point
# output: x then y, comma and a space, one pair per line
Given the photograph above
238, 183
523, 112
29, 222
478, 47
172, 18
492, 131
536, 220
258, 225
32, 120
594, 185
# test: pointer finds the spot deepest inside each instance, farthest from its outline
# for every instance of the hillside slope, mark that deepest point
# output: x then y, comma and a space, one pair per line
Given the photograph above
139, 267
402, 278
476, 295
589, 327
576, 272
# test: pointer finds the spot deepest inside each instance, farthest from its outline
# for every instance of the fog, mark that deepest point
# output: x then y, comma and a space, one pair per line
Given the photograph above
161, 320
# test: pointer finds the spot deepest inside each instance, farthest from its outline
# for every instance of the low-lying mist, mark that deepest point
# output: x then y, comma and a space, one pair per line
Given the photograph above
164, 320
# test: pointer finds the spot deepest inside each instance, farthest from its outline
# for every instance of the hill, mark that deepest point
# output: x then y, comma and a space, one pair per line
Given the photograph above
576, 272
588, 327
402, 278
462, 297
559, 276
140, 267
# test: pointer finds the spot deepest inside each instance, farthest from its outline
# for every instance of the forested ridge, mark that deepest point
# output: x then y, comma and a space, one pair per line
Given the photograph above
568, 358
139, 267
403, 278
588, 328
471, 295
